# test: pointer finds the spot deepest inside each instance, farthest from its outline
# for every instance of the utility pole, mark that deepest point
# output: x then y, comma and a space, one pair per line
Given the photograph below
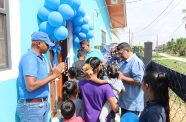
131, 39
129, 36
157, 41
156, 48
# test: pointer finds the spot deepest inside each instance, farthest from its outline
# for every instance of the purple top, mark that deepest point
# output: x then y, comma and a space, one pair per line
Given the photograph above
94, 97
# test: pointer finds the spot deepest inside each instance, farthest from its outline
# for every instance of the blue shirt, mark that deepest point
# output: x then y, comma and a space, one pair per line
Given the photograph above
133, 98
94, 53
153, 112
31, 64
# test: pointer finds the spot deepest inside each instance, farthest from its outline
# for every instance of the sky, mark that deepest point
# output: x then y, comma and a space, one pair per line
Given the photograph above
145, 25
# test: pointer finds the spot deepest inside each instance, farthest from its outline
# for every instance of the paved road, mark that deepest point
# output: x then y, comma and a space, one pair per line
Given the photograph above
173, 57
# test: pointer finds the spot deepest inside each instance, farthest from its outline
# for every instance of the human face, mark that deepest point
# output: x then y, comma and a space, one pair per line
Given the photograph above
44, 47
123, 54
112, 52
85, 45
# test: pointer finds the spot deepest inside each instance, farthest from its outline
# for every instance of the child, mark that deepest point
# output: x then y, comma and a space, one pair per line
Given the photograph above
68, 112
116, 84
72, 74
156, 87
71, 92
79, 64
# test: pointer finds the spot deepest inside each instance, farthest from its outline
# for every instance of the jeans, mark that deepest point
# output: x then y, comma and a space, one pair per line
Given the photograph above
33, 111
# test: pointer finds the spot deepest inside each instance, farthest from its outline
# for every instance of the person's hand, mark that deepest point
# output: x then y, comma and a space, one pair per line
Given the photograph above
56, 72
61, 67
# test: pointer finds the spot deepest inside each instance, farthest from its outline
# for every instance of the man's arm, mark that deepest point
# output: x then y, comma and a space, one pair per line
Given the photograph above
32, 83
129, 80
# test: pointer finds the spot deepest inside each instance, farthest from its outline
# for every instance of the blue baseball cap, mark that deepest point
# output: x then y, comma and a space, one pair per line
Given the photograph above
41, 36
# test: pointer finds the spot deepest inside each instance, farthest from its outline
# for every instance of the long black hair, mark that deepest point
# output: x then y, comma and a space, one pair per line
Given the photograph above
158, 84
91, 64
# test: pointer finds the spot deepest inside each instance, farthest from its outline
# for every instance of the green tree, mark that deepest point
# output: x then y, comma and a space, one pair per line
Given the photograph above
139, 50
171, 46
181, 46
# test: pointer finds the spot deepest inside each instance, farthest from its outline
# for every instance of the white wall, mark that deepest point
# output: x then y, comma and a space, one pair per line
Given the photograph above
14, 40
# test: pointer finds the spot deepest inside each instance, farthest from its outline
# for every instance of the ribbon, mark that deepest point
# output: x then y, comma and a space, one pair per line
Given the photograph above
56, 50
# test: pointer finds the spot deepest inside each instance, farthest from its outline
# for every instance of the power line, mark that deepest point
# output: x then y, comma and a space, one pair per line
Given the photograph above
176, 28
155, 18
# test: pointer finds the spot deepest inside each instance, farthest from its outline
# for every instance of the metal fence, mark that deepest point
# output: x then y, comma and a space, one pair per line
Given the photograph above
177, 92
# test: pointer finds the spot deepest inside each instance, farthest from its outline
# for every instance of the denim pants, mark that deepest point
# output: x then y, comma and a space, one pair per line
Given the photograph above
32, 112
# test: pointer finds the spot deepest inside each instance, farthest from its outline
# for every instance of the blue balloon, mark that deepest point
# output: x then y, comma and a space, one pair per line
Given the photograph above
129, 117
43, 13
64, 23
52, 4
55, 19
76, 40
76, 4
53, 38
38, 21
82, 35
61, 33
69, 2
85, 28
66, 11
46, 27
85, 20
77, 29
80, 11
90, 34
78, 20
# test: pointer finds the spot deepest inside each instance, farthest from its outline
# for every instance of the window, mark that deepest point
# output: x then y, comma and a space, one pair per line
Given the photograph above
103, 40
114, 1
4, 42
103, 37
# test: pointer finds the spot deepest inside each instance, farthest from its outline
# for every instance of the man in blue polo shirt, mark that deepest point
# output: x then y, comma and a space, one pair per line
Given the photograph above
33, 80
91, 52
132, 71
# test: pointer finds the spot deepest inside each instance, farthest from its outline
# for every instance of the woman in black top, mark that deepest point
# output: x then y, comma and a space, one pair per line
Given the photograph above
156, 87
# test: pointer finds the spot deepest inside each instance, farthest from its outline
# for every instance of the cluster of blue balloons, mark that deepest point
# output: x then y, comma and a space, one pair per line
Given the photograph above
52, 18
81, 28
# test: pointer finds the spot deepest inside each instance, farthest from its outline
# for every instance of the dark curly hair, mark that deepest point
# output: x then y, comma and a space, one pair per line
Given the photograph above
113, 71
69, 88
68, 109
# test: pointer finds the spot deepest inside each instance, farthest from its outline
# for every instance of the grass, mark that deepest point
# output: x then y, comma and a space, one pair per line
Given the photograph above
172, 64
176, 55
